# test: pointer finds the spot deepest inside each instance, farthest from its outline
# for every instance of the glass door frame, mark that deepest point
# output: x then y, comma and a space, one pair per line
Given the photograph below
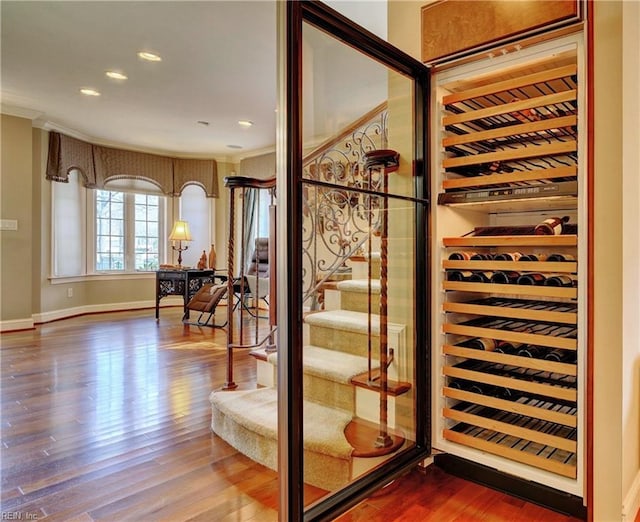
291, 17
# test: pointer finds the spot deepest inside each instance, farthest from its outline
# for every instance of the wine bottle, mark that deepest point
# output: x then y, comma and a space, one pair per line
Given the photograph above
472, 386
480, 343
460, 256
481, 277
533, 257
507, 347
458, 384
508, 256
481, 388
505, 278
559, 280
528, 350
531, 279
508, 394
551, 226
565, 356
481, 257
459, 275
561, 257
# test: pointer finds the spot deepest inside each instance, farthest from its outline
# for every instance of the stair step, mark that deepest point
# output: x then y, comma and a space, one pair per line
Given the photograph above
360, 286
330, 365
355, 296
343, 331
248, 421
345, 320
328, 374
360, 265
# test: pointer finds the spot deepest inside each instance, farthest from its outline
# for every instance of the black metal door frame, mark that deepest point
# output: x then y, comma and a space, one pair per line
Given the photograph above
291, 17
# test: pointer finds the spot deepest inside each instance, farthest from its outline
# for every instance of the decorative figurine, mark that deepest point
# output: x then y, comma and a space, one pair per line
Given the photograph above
202, 263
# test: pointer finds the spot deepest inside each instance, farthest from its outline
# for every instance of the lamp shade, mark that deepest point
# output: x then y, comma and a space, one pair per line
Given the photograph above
180, 232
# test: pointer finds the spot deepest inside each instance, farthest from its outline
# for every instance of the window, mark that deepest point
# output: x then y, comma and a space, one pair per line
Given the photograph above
69, 227
147, 229
196, 209
123, 228
109, 230
127, 231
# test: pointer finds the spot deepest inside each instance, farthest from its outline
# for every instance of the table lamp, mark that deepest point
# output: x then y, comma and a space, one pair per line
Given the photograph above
180, 233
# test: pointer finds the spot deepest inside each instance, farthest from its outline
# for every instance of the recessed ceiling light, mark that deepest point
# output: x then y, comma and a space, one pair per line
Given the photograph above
89, 92
245, 123
116, 75
234, 146
150, 57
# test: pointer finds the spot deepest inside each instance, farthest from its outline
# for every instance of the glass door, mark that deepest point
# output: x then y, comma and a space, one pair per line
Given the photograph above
353, 307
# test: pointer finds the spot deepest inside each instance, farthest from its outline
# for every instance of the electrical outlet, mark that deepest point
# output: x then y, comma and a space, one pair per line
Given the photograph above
69, 292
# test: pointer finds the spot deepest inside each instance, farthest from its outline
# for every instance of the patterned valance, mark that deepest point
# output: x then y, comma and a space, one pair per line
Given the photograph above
261, 167
98, 165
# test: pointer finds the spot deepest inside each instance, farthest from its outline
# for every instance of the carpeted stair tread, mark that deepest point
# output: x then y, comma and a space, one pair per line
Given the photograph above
346, 320
329, 364
360, 286
257, 411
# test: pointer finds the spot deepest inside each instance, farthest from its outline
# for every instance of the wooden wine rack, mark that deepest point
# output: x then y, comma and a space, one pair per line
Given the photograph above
509, 138
539, 428
516, 132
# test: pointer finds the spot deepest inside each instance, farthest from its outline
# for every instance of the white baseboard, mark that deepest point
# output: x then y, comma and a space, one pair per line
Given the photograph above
631, 503
90, 309
65, 313
16, 324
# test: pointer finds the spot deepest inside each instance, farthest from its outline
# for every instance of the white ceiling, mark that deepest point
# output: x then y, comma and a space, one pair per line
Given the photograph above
218, 65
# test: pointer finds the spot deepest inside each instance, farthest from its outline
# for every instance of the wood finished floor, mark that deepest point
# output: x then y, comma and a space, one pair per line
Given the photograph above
102, 420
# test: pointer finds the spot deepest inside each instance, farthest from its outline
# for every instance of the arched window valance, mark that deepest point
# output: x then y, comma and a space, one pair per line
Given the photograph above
98, 164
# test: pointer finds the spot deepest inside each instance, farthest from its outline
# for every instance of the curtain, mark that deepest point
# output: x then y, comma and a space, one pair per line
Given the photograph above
98, 165
249, 216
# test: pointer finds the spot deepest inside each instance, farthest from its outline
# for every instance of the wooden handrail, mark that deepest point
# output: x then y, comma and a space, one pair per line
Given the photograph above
246, 182
328, 144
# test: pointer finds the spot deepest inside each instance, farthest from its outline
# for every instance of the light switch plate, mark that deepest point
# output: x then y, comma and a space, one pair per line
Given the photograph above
8, 224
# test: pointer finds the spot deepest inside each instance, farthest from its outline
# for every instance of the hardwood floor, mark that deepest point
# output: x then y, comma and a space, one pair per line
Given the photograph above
106, 417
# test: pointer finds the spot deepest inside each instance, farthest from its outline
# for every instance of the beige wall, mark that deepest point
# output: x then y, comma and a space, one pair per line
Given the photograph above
631, 247
607, 296
16, 204
617, 193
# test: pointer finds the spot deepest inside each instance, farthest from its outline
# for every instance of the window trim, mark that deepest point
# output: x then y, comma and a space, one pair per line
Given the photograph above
129, 234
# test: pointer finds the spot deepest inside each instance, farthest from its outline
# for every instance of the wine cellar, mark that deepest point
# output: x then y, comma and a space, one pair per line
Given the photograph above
509, 256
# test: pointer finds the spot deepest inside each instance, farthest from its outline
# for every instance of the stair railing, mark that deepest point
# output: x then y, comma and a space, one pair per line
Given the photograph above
337, 215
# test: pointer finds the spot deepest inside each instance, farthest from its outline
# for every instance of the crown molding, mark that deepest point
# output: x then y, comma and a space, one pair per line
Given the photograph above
19, 112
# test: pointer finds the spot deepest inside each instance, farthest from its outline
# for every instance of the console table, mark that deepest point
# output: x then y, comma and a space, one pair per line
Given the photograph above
180, 282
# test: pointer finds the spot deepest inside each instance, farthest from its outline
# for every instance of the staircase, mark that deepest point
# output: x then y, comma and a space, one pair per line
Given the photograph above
337, 392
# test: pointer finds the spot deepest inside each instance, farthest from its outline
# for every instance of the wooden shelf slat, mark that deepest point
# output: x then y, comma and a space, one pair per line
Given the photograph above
557, 417
564, 343
528, 240
515, 290
568, 267
551, 149
511, 313
511, 360
529, 103
546, 390
560, 468
511, 83
510, 429
511, 177
512, 130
